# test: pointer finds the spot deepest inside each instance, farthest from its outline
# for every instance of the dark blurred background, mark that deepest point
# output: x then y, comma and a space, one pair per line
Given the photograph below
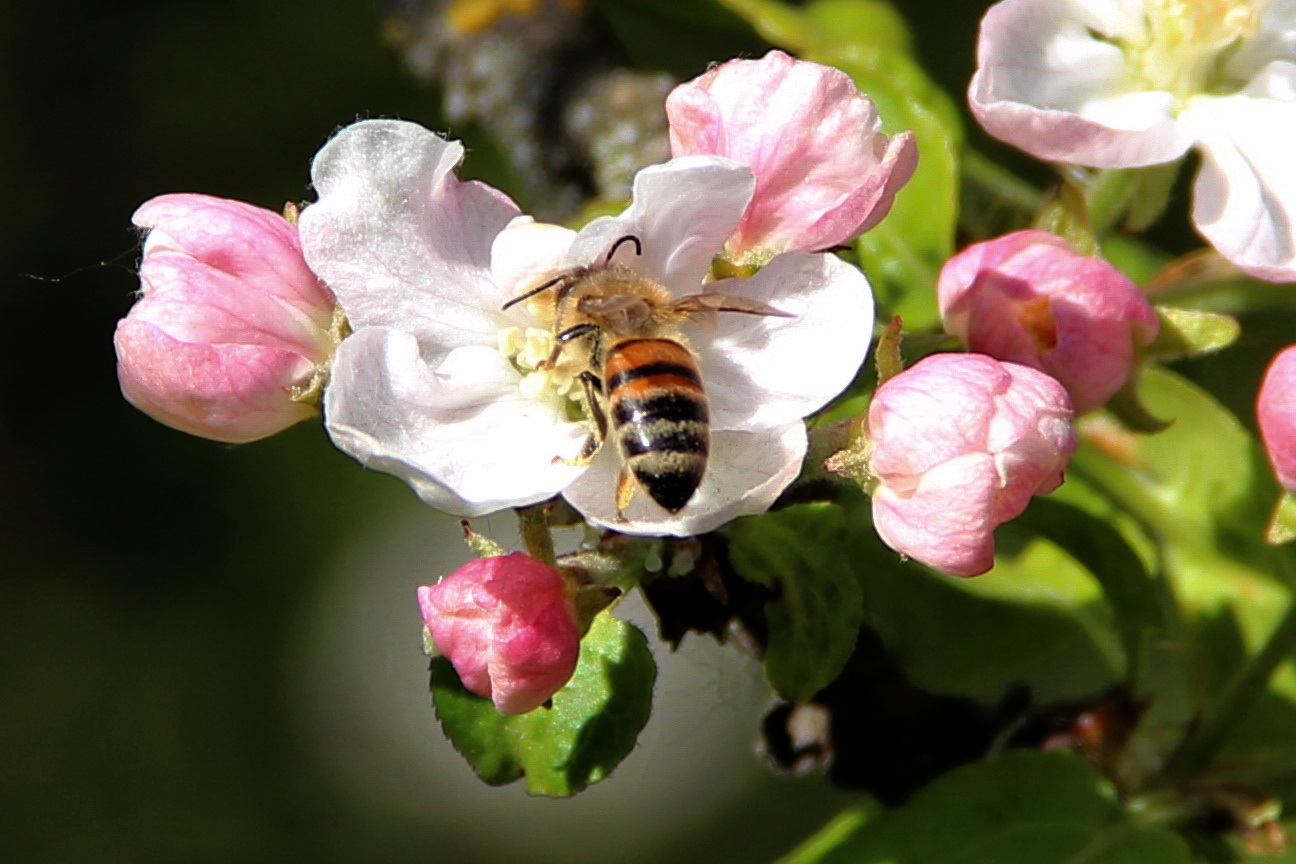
212, 653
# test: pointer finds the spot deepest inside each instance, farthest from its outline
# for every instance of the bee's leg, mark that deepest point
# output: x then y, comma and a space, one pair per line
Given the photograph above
625, 490
593, 389
561, 340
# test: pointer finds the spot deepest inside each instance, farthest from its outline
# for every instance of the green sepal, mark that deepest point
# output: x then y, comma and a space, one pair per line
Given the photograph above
593, 724
801, 552
1066, 214
1131, 197
1282, 525
1191, 332
481, 545
886, 354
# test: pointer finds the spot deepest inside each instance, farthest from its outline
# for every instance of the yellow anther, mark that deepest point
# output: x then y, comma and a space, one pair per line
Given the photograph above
536, 348
510, 341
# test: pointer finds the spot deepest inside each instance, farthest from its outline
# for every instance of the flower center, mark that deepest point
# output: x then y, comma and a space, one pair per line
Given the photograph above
529, 350
1186, 40
1036, 319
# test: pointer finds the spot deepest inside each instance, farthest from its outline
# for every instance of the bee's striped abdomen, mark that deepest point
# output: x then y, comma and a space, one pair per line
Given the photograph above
659, 416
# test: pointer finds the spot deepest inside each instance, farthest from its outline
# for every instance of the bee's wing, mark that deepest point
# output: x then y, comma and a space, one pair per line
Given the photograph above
609, 304
717, 302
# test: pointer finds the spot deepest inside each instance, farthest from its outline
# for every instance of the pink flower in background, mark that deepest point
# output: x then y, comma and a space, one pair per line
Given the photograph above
231, 324
1129, 84
960, 444
507, 625
1276, 413
1031, 298
825, 173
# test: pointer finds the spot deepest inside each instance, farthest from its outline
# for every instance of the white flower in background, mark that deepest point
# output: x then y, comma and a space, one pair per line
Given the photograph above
1130, 83
438, 386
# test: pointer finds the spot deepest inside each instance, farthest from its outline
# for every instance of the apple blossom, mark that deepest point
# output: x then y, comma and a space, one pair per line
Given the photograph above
443, 387
960, 443
508, 626
1276, 414
232, 327
1031, 298
1129, 84
825, 173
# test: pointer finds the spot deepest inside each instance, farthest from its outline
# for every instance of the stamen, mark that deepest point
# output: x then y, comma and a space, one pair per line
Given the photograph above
1182, 48
529, 349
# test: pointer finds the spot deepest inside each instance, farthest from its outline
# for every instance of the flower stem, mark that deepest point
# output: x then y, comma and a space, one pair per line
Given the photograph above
1247, 687
533, 524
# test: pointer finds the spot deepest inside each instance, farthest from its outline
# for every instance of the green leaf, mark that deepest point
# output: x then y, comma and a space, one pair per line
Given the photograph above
1037, 619
1105, 553
1021, 808
1202, 490
591, 727
801, 553
1126, 405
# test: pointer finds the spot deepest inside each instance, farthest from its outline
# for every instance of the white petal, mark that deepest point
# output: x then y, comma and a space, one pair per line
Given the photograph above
525, 253
1244, 200
461, 436
682, 212
1047, 83
745, 474
763, 371
399, 239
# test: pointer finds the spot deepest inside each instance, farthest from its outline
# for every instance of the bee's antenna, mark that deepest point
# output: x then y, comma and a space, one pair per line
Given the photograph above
536, 290
617, 245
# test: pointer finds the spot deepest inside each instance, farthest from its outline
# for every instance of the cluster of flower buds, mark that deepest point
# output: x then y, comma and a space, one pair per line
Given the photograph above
420, 306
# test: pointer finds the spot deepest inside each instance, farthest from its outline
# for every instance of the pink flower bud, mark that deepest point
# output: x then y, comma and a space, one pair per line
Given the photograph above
230, 320
825, 173
1276, 413
1031, 298
960, 444
508, 626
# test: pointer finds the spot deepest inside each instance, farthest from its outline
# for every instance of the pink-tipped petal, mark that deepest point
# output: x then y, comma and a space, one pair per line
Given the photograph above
231, 322
824, 171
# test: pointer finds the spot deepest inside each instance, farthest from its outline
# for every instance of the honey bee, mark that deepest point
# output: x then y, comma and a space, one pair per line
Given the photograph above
640, 381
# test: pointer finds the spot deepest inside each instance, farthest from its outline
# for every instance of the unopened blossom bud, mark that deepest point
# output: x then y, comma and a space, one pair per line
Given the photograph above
1276, 414
825, 173
1031, 298
960, 444
508, 626
231, 324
